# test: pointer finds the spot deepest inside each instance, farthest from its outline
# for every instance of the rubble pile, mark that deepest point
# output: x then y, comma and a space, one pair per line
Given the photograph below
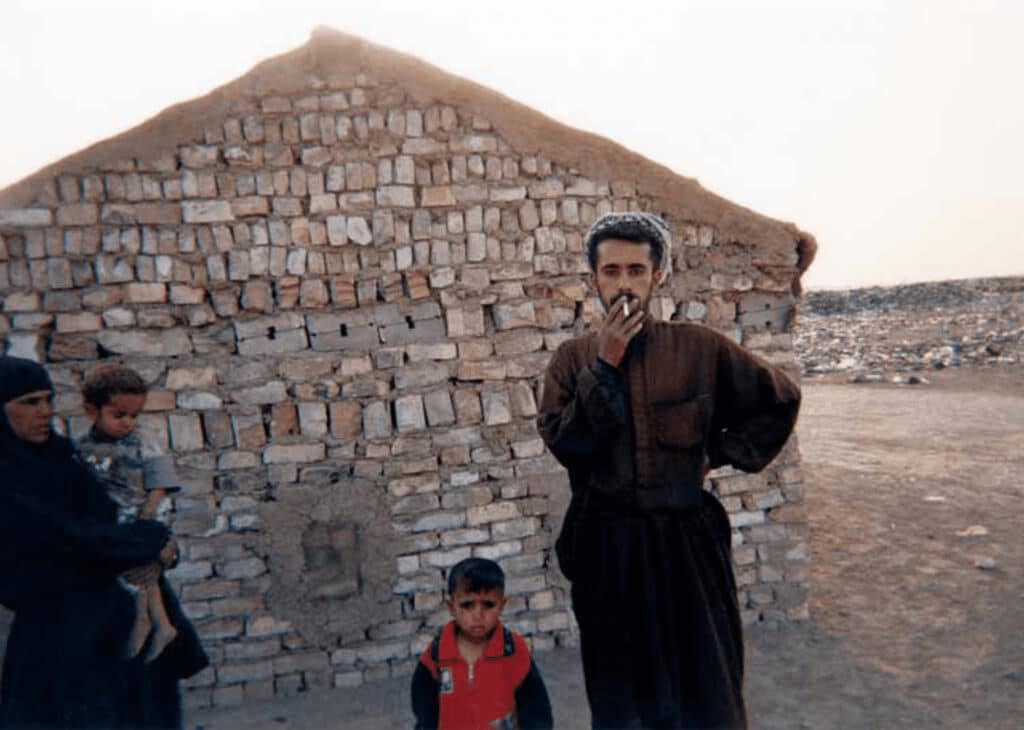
884, 332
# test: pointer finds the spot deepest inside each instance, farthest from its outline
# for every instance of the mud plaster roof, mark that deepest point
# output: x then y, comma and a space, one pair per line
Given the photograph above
332, 58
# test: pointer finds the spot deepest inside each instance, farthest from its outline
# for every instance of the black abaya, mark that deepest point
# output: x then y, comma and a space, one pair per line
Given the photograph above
61, 551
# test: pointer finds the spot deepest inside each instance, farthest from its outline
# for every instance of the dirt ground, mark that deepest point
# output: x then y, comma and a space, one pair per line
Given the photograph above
912, 624
925, 622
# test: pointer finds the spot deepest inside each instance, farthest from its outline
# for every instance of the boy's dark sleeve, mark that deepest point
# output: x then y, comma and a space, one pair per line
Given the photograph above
532, 704
425, 705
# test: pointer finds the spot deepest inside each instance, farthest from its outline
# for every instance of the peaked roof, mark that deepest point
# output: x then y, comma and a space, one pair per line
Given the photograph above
333, 58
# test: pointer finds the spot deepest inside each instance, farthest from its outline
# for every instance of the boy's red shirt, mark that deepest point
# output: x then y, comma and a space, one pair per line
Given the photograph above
485, 699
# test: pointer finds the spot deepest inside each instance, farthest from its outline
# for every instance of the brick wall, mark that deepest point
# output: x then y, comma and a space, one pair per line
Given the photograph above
344, 299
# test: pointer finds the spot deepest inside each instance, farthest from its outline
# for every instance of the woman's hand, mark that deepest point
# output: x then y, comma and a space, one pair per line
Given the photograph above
168, 556
143, 575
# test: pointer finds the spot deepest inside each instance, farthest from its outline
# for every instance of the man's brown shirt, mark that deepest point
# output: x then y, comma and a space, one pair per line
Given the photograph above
642, 431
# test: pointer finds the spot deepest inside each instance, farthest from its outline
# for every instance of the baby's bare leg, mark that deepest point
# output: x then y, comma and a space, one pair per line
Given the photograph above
163, 630
141, 625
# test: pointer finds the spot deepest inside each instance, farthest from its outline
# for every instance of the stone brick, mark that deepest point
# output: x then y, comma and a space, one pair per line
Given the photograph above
382, 651
409, 415
198, 401
159, 400
166, 343
446, 558
310, 661
182, 294
229, 460
217, 426
313, 419
250, 205
146, 293
198, 156
271, 392
517, 528
415, 503
284, 421
496, 408
468, 536
510, 316
22, 302
528, 448
438, 521
25, 218
293, 453
186, 431
357, 230
731, 282
376, 421
550, 187
482, 370
467, 406
346, 419
78, 214
260, 626
433, 196
32, 321
522, 400
422, 146
249, 430
439, 410
59, 273
119, 317
396, 196
421, 374
25, 345
206, 211
416, 284
417, 483
494, 512
744, 519
316, 157
81, 322
498, 551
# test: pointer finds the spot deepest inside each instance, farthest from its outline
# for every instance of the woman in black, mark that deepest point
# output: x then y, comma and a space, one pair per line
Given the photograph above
61, 552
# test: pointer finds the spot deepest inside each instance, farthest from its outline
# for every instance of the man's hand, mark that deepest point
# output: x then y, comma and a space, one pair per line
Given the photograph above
618, 329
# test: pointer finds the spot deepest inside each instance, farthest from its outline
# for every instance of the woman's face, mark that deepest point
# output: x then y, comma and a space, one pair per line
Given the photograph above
30, 414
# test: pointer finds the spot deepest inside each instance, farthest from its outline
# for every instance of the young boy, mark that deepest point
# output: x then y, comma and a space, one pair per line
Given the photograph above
137, 476
476, 674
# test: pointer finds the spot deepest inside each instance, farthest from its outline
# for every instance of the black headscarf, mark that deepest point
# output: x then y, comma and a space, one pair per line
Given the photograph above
19, 376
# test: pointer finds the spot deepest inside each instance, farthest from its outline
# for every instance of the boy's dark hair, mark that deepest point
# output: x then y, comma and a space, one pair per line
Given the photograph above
106, 381
636, 227
474, 575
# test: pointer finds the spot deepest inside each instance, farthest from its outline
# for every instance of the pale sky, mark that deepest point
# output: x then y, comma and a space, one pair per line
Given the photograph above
890, 129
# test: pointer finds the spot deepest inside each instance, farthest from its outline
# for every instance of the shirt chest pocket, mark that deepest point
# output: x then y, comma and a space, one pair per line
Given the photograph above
681, 424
